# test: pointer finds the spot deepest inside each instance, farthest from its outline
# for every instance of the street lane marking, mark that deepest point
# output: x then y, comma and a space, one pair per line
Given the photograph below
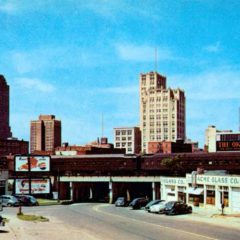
97, 209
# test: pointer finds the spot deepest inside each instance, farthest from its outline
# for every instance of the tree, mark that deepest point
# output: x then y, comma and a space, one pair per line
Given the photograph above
174, 164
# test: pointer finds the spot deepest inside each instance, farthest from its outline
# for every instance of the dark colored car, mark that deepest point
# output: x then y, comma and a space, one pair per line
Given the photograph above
151, 203
121, 202
138, 203
27, 200
176, 207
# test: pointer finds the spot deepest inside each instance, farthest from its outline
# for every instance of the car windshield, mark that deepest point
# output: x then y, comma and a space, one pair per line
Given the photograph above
170, 204
120, 199
135, 200
152, 202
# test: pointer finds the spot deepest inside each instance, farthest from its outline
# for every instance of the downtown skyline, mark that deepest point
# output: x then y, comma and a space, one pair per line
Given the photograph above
80, 60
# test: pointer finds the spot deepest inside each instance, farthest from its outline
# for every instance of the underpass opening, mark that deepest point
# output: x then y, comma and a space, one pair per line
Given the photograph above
131, 190
91, 192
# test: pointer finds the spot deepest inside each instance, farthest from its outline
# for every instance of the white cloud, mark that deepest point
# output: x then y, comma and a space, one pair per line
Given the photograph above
55, 57
22, 62
118, 90
213, 48
14, 7
221, 83
143, 53
8, 7
35, 84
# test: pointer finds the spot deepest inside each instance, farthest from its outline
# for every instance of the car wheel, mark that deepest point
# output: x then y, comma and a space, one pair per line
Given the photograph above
9, 205
172, 212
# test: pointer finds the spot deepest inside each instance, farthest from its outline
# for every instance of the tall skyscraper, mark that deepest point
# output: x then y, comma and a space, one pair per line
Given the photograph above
162, 110
45, 133
5, 130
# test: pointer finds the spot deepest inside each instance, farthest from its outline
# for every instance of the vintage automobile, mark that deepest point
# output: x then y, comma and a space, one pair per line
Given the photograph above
27, 200
151, 203
121, 202
138, 203
2, 223
158, 208
177, 207
9, 201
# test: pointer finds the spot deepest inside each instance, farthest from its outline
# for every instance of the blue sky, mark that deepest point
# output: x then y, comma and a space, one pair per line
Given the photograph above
79, 59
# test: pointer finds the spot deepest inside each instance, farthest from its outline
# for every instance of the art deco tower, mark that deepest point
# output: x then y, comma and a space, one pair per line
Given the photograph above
162, 110
5, 130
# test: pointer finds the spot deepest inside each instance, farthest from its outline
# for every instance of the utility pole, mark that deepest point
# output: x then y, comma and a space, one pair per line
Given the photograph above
29, 175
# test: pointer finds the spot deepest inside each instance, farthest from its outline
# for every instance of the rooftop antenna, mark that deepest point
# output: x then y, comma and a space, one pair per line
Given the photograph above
156, 56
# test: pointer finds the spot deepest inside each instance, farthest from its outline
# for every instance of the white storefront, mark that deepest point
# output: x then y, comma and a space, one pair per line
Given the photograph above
204, 191
173, 189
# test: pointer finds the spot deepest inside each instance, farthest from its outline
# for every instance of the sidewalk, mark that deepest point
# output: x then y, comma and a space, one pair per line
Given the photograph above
55, 229
215, 217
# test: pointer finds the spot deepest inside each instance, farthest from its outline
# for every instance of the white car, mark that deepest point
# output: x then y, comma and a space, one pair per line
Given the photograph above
157, 208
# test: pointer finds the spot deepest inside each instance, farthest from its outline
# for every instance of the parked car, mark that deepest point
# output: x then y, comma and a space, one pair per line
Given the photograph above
176, 207
27, 200
9, 201
138, 203
2, 223
121, 202
158, 208
151, 203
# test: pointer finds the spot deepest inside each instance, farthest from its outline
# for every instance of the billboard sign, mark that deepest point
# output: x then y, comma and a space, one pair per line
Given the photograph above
37, 163
38, 186
228, 146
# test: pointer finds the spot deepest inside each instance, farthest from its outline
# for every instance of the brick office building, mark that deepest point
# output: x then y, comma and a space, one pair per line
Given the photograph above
13, 146
5, 131
170, 147
45, 134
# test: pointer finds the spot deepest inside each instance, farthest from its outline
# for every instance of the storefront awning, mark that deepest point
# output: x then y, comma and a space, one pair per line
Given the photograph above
195, 191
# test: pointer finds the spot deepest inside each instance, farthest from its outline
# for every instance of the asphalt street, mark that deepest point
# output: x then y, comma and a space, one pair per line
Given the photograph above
104, 221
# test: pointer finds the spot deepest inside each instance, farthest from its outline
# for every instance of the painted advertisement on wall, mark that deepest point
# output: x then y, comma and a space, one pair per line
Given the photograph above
37, 163
223, 146
38, 186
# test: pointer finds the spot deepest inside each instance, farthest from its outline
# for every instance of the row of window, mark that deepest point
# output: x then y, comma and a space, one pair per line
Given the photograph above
123, 132
159, 138
124, 139
118, 144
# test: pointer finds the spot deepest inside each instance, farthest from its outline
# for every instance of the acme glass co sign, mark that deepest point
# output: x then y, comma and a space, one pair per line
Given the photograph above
216, 180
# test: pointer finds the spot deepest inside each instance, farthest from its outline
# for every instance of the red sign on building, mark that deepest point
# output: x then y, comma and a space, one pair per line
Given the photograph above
228, 145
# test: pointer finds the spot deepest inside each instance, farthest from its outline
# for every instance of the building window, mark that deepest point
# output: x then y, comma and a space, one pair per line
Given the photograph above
224, 196
158, 137
129, 132
210, 195
117, 132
